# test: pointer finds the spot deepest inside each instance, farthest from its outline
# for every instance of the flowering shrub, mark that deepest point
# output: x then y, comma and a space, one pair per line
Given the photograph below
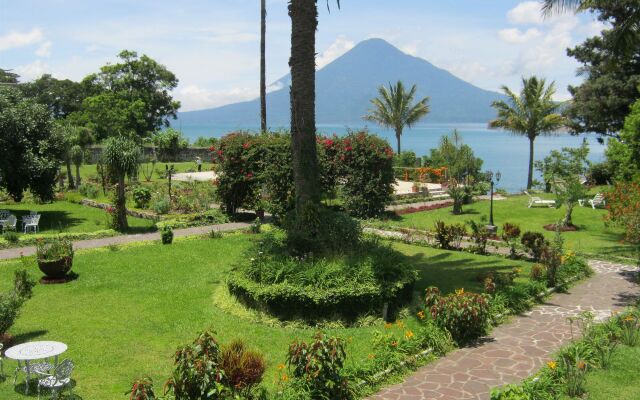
366, 162
464, 314
319, 365
449, 236
623, 203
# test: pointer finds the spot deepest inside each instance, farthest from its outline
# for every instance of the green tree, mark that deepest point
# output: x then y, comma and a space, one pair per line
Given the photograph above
6, 76
169, 142
107, 114
461, 162
531, 113
623, 154
564, 169
77, 157
61, 96
139, 88
394, 108
31, 149
120, 156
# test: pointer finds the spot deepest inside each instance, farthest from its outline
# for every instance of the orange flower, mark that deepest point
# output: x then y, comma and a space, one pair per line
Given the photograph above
388, 325
281, 367
408, 334
582, 365
460, 291
421, 314
284, 377
400, 324
628, 318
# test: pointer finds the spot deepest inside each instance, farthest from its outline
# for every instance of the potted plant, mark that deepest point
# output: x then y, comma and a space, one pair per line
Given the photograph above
55, 257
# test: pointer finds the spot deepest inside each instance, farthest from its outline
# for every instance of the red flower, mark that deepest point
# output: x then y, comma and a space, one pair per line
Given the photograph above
328, 143
249, 175
348, 148
220, 152
245, 145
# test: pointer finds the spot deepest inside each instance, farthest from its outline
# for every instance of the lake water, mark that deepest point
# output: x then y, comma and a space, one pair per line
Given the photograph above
500, 150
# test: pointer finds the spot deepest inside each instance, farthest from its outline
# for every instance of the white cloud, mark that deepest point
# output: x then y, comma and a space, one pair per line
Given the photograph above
526, 13
32, 71
514, 35
194, 97
335, 50
44, 50
19, 39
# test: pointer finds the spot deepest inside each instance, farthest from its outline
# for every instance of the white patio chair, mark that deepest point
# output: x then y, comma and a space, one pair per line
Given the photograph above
537, 201
10, 223
597, 201
60, 379
42, 368
30, 223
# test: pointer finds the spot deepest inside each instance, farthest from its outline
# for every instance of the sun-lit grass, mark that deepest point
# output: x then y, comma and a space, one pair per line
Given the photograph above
129, 309
89, 171
593, 237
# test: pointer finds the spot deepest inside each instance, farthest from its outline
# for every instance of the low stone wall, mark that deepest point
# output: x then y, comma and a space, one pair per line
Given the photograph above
132, 213
184, 155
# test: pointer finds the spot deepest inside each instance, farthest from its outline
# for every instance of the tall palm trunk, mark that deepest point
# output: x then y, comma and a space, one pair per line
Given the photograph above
121, 210
398, 135
70, 184
304, 21
530, 176
263, 79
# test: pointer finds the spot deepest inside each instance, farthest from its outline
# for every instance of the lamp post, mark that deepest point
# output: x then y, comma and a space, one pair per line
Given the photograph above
490, 175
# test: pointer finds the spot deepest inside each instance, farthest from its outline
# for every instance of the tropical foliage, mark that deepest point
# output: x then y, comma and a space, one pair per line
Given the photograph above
120, 156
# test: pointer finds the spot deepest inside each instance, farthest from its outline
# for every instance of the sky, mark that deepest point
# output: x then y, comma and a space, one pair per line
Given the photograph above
213, 45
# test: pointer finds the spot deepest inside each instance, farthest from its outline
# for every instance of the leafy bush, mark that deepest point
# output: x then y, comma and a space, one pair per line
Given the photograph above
552, 260
623, 204
255, 226
319, 365
88, 190
600, 174
142, 389
480, 236
11, 236
336, 232
198, 374
535, 243
465, 315
243, 368
366, 162
169, 142
521, 296
141, 196
510, 234
538, 273
161, 206
166, 235
346, 285
458, 195
449, 236
11, 302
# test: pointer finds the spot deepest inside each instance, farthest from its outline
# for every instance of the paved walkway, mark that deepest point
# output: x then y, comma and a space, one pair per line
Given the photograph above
519, 348
122, 239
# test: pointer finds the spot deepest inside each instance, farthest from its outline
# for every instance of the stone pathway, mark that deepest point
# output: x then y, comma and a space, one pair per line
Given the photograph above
521, 347
123, 239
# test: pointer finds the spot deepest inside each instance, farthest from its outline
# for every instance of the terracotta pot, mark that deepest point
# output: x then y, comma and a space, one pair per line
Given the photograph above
56, 269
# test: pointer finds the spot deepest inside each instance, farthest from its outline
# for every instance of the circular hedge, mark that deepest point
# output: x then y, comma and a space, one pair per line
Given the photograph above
342, 287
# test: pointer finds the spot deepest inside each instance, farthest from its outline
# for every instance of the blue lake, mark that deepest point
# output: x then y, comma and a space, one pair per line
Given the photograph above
500, 150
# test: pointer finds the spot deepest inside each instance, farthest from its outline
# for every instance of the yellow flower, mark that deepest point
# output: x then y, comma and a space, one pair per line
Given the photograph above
582, 365
388, 325
421, 314
460, 291
408, 334
284, 377
400, 324
281, 367
552, 364
628, 318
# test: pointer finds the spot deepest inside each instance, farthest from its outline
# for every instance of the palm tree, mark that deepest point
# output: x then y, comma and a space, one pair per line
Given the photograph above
263, 83
531, 114
120, 156
393, 108
625, 34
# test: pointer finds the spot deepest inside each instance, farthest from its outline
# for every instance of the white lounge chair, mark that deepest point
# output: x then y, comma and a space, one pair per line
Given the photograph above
537, 201
597, 201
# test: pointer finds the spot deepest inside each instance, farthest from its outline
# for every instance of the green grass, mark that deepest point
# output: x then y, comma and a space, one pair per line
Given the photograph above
621, 381
592, 237
70, 217
129, 309
89, 171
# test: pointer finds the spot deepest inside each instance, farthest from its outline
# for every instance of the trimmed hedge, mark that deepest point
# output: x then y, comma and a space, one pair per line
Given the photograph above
343, 287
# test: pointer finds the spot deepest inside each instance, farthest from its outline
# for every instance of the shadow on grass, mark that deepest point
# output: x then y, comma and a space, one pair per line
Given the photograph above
45, 393
27, 336
449, 274
50, 220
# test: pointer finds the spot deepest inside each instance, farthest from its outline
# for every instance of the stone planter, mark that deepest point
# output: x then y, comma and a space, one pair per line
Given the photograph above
56, 270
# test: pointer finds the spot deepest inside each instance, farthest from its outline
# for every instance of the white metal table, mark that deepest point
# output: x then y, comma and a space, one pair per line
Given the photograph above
31, 351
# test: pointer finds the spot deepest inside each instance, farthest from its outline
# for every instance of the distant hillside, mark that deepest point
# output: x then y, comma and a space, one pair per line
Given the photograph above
345, 87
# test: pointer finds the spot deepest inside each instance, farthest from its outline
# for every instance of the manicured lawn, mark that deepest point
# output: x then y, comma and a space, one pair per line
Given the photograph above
70, 217
129, 309
593, 237
90, 171
621, 381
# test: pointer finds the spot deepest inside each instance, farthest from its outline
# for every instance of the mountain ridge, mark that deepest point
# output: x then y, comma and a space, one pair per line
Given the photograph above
345, 87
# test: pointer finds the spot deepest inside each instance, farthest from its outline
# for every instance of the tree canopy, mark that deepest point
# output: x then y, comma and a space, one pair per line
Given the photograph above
31, 149
61, 96
623, 154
